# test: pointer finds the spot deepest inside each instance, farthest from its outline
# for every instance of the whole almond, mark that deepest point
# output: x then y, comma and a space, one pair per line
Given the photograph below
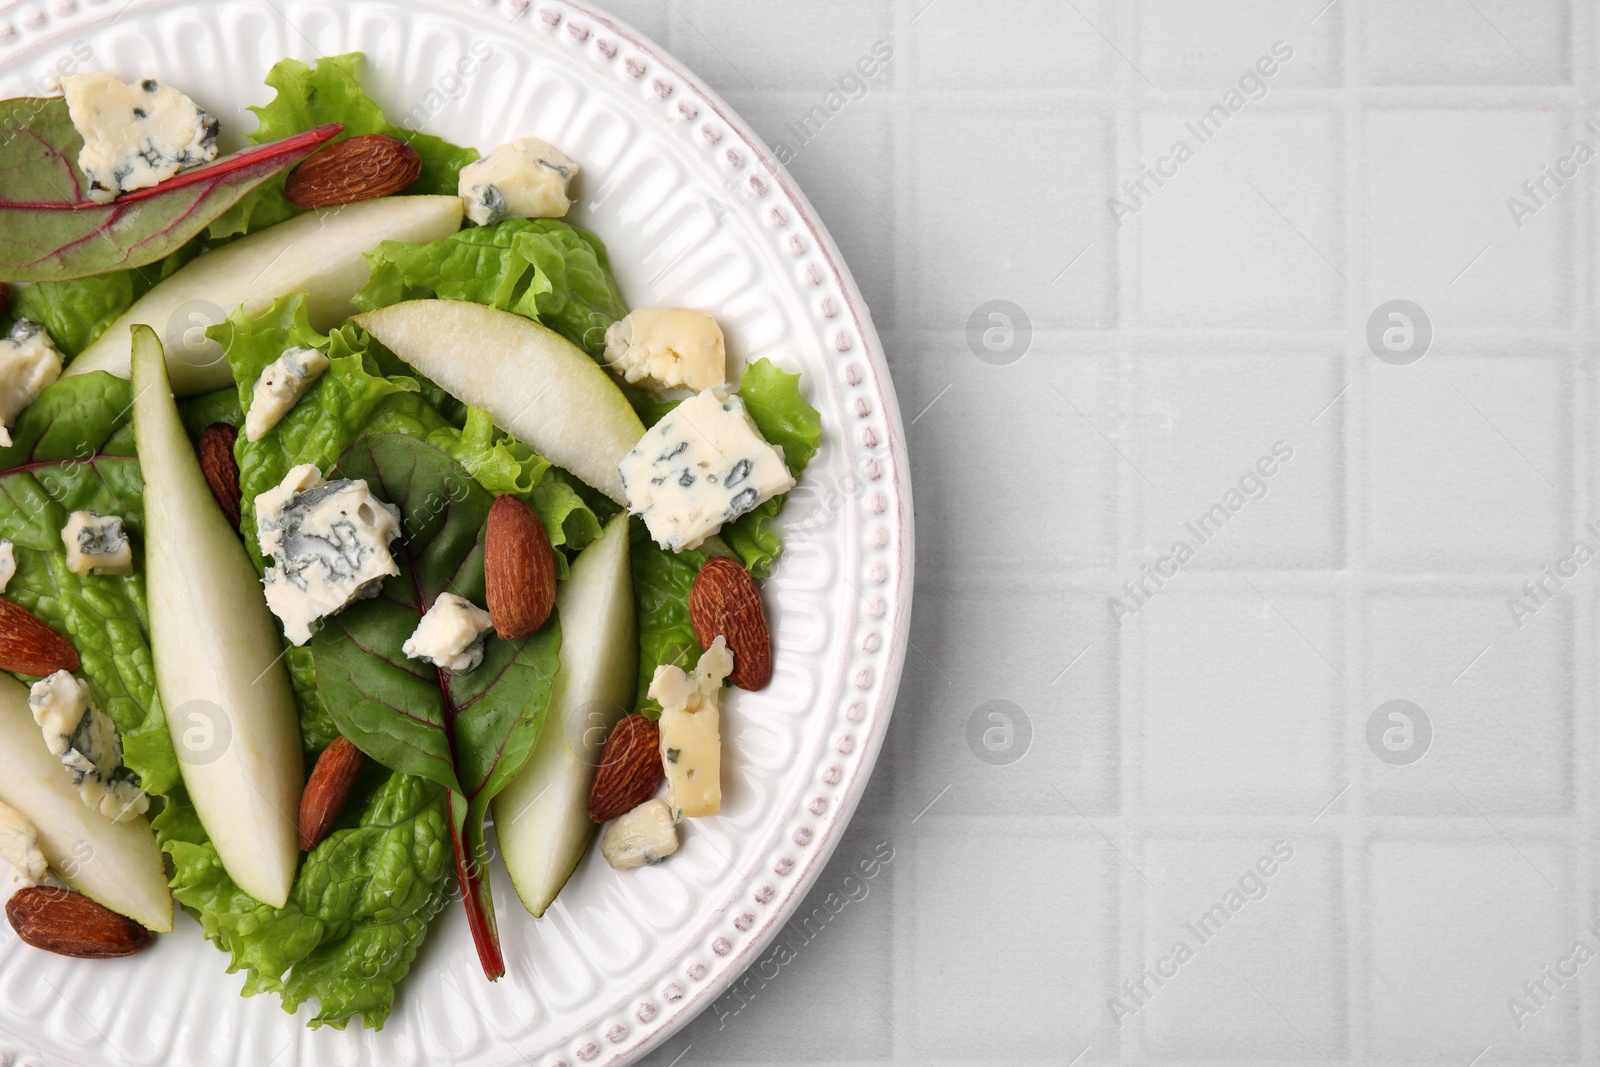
29, 646
630, 769
724, 601
336, 773
361, 168
519, 569
220, 468
70, 924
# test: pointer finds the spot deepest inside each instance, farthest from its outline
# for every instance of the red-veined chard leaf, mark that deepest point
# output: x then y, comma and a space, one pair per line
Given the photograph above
470, 733
49, 230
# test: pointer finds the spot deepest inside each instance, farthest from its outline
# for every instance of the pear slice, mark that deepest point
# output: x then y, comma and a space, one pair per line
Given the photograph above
320, 253
218, 655
538, 386
542, 817
117, 864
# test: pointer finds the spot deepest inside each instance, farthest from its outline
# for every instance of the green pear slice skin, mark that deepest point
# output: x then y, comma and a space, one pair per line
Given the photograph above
320, 253
117, 864
542, 817
217, 652
538, 386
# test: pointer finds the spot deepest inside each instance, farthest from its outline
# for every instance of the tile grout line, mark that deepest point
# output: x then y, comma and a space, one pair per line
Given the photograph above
1581, 436
1131, 899
1350, 836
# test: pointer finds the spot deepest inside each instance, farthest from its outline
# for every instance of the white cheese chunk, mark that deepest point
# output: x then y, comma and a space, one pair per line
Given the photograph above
96, 544
83, 738
646, 835
19, 846
450, 635
691, 744
702, 465
29, 364
668, 347
525, 179
135, 136
8, 564
330, 546
280, 388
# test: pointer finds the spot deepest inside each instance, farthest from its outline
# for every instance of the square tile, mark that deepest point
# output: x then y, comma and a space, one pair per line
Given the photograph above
1017, 452
1214, 46
1243, 477
1244, 228
989, 906
1011, 206
1440, 228
1013, 687
1454, 929
1494, 42
1250, 932
1035, 43
1497, 700
1241, 702
815, 46
1467, 463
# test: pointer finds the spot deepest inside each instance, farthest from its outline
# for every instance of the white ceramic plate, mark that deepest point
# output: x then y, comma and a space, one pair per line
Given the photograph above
674, 183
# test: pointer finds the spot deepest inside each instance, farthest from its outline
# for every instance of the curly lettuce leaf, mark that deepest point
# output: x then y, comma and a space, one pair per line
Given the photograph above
358, 911
308, 97
773, 399
505, 466
661, 582
542, 269
328, 418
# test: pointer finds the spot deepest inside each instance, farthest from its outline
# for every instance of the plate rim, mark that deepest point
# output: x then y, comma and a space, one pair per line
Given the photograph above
579, 25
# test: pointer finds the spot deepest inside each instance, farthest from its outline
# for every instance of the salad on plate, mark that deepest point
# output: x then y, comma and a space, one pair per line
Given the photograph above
346, 509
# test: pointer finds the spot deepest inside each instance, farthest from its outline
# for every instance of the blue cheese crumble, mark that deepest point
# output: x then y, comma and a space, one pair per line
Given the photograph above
330, 546
96, 544
82, 737
450, 635
135, 136
524, 179
702, 465
280, 387
29, 364
642, 837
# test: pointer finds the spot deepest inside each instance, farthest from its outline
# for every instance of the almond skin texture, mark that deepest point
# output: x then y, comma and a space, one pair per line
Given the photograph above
519, 569
29, 646
630, 769
724, 601
336, 773
220, 468
70, 924
361, 168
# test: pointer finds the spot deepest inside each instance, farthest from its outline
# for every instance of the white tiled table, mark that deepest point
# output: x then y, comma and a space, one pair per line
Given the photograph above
1169, 748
